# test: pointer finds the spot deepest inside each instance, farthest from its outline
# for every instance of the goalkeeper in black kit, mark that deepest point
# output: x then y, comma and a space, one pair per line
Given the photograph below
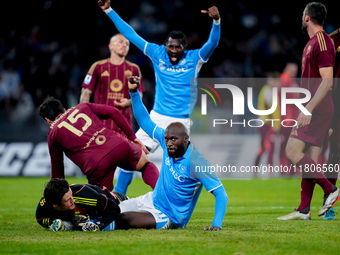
77, 207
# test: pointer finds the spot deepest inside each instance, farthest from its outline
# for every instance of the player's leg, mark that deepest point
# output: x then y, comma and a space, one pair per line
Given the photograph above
331, 192
333, 161
294, 152
308, 183
131, 219
124, 180
140, 212
136, 159
128, 156
150, 172
332, 172
125, 176
103, 174
307, 163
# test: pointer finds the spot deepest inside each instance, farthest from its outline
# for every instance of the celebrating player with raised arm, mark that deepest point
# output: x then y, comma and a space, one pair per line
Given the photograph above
174, 66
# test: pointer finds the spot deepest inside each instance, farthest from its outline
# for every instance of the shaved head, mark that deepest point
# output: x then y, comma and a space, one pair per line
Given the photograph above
178, 128
119, 45
176, 139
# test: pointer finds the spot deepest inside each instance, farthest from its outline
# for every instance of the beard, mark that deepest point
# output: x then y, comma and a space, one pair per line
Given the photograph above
179, 152
122, 55
304, 29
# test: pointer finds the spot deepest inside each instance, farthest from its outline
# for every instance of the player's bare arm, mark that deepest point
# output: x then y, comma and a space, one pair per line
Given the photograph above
104, 4
85, 95
212, 12
326, 74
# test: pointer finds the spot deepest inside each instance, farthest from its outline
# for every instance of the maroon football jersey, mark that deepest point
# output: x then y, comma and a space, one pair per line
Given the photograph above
319, 52
80, 133
336, 39
109, 83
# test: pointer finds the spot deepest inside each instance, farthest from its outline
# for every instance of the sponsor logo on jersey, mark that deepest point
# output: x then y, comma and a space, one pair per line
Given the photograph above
116, 85
178, 177
127, 73
171, 68
177, 69
106, 73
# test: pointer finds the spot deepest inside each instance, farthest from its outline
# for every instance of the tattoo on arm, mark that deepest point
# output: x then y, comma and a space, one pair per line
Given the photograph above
85, 96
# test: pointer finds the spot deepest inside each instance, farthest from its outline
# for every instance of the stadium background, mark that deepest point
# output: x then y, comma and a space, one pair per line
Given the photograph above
46, 48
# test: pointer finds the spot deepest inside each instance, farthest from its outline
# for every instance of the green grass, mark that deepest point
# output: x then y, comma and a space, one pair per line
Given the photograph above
249, 227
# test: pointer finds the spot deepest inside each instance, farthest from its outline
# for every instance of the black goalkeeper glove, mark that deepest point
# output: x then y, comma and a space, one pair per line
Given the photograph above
79, 220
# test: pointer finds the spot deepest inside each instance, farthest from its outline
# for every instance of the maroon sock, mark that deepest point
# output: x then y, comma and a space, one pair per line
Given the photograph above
150, 174
311, 172
307, 188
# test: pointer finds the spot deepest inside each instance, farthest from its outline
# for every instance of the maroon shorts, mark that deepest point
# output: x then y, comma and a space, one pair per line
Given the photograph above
126, 155
316, 132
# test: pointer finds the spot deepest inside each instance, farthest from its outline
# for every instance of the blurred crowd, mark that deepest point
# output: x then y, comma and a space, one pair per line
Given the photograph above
46, 47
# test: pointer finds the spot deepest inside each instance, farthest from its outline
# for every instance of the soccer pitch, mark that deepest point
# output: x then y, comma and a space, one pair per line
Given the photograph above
249, 227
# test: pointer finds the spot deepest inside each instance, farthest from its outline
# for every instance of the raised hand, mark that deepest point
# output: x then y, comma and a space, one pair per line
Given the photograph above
212, 12
134, 83
104, 4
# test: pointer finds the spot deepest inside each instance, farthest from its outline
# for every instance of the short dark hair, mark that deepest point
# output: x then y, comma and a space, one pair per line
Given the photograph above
177, 35
317, 12
55, 189
50, 108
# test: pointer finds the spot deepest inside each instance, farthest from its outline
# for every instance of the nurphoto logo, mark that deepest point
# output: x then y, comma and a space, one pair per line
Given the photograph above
277, 99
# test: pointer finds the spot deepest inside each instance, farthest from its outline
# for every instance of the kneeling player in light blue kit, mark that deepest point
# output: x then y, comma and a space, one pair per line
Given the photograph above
174, 68
171, 203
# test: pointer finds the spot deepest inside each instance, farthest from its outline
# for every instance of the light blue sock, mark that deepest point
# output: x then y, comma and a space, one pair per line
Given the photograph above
123, 181
111, 226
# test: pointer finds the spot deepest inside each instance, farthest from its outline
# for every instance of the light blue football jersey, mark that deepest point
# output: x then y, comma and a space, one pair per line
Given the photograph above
172, 97
178, 188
